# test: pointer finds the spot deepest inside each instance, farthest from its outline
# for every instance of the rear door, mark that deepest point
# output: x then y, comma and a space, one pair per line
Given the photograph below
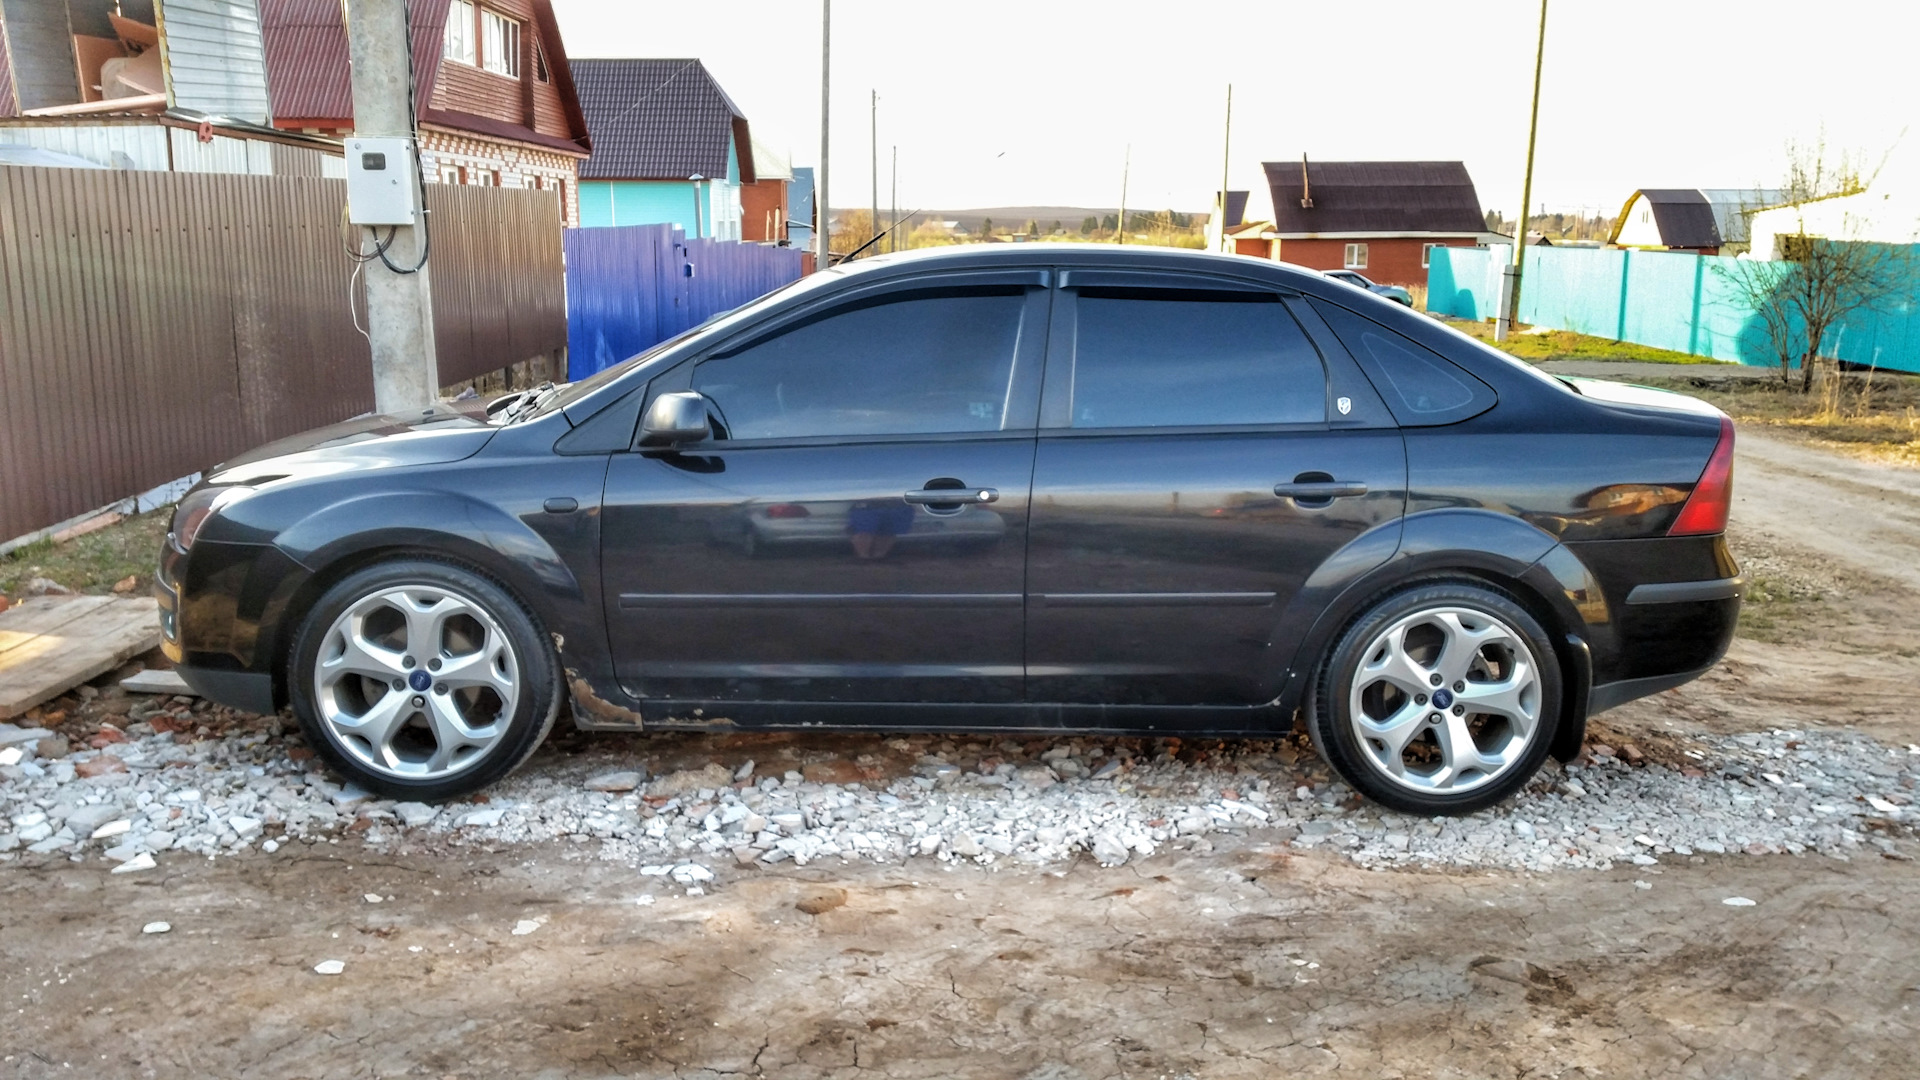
1198, 459
856, 531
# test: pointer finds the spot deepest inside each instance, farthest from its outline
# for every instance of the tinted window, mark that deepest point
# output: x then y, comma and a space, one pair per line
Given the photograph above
1176, 357
1421, 386
902, 364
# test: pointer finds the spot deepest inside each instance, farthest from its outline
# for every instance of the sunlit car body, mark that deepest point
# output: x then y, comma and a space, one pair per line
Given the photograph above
1187, 494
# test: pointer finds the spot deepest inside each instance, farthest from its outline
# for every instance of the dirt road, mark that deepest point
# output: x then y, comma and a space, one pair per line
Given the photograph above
1250, 962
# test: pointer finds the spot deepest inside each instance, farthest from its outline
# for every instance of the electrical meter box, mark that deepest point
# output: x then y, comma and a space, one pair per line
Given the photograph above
381, 187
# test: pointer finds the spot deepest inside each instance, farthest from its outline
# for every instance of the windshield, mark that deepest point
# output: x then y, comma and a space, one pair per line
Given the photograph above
724, 320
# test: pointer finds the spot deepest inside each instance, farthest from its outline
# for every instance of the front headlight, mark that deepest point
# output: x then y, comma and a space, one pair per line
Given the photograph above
193, 511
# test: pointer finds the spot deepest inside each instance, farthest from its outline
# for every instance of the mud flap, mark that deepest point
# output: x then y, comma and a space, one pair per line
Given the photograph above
1577, 678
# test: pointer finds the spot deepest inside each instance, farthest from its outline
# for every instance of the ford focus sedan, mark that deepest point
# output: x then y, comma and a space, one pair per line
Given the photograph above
1047, 489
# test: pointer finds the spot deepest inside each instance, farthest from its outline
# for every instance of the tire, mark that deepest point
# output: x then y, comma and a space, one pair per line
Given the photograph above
1376, 691
423, 680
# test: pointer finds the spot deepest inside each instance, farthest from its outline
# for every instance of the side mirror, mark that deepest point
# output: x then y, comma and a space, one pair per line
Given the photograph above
674, 419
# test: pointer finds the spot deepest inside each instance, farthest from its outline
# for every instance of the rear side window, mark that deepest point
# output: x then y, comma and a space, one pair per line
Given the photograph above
914, 363
1189, 357
1421, 387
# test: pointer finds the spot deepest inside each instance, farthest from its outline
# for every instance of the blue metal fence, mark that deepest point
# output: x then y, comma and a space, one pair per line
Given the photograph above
1664, 299
633, 286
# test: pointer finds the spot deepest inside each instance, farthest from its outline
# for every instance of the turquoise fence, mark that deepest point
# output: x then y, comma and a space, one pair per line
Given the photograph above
1664, 299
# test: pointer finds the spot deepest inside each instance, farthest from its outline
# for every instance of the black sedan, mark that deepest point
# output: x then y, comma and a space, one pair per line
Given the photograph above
1045, 489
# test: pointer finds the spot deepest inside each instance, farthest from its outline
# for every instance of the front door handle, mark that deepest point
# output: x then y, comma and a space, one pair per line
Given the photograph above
953, 496
1320, 490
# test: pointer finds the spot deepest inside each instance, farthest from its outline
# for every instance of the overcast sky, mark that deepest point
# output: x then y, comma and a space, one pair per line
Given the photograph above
1034, 102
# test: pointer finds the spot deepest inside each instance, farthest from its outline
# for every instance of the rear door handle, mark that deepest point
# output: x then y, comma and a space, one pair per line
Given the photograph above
953, 495
1320, 490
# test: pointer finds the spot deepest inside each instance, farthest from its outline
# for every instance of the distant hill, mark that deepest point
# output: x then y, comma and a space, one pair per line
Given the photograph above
1069, 217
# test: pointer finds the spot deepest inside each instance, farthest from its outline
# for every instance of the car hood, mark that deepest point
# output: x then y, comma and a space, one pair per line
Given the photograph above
429, 437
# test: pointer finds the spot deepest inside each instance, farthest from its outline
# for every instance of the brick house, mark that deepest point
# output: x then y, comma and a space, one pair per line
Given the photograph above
496, 99
1380, 218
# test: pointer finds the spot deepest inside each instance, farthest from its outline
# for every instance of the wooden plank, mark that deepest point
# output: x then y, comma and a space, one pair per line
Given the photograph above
39, 615
157, 681
49, 663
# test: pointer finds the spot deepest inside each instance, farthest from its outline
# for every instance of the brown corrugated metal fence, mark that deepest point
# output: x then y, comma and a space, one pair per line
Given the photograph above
152, 324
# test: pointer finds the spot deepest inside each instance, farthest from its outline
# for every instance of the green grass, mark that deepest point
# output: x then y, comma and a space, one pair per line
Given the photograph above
1567, 345
94, 562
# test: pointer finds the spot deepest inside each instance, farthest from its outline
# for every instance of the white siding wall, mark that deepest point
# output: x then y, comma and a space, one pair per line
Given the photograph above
216, 62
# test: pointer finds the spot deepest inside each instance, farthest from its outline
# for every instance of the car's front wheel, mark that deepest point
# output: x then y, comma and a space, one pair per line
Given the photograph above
423, 680
1439, 700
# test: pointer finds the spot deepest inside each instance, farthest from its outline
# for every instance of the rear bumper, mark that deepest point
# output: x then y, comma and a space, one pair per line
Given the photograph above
1680, 624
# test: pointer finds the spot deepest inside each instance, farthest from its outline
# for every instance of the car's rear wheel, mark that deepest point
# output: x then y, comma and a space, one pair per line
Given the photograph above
423, 680
1439, 700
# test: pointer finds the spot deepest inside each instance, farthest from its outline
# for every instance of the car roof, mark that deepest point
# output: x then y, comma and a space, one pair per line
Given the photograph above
1136, 256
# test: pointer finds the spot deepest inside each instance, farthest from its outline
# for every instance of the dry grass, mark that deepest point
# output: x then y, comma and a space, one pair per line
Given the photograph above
92, 563
1535, 347
1873, 414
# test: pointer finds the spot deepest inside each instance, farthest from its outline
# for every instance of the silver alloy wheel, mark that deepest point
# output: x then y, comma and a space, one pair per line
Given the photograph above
1445, 699
416, 681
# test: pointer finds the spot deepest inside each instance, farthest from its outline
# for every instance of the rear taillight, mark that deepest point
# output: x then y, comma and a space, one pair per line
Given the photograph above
1706, 509
787, 510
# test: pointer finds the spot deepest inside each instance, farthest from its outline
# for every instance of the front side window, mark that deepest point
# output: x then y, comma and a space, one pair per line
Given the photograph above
499, 44
1356, 257
1192, 357
459, 41
924, 362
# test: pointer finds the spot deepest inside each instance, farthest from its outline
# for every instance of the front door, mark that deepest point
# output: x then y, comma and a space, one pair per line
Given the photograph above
1198, 460
856, 530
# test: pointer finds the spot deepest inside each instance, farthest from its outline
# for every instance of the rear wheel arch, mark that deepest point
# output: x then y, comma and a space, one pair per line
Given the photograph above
1471, 569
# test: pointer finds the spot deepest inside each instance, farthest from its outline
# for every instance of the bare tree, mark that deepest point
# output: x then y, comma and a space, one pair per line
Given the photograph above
1816, 281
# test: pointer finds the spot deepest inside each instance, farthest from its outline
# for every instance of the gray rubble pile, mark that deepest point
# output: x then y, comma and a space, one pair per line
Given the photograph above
160, 795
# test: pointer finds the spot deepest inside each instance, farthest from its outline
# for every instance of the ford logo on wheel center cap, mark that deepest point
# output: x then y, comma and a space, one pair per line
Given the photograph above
1441, 698
423, 682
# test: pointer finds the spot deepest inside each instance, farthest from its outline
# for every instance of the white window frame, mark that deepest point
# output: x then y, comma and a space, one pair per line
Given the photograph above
1426, 254
499, 43
459, 44
1356, 257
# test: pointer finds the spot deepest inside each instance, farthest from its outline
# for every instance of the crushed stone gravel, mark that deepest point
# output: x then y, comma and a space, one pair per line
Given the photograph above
134, 795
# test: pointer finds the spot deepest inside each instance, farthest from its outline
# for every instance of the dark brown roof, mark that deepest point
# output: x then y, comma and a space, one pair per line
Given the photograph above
659, 120
1374, 197
1683, 216
1236, 208
309, 80
308, 77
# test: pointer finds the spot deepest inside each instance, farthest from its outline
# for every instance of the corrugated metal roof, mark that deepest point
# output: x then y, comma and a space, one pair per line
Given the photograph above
308, 76
658, 120
1376, 197
1683, 216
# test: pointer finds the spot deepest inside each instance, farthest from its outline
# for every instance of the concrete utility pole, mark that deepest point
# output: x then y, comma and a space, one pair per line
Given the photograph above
893, 215
1510, 296
1226, 158
821, 249
406, 372
1120, 223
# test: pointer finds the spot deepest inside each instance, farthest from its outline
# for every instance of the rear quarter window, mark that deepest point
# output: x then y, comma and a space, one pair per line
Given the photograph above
1421, 387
